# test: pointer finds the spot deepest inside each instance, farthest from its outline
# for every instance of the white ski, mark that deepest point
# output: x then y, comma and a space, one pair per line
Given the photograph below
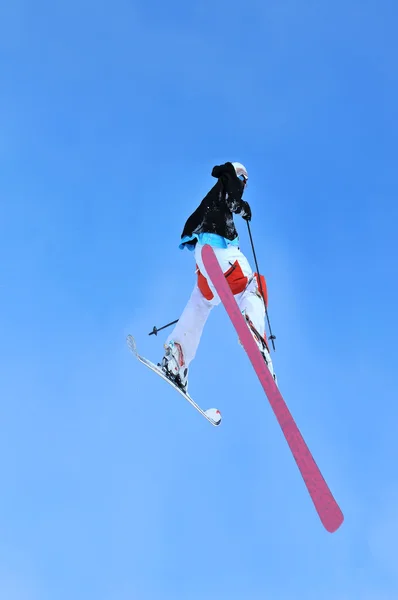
213, 415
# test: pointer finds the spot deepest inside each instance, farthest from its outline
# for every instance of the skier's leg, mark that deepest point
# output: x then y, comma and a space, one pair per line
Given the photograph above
243, 284
182, 343
252, 308
188, 330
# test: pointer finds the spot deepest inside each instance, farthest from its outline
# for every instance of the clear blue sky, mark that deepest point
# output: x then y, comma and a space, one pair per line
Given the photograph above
112, 116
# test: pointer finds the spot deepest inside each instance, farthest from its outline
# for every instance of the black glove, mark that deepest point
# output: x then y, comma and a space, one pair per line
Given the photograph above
246, 212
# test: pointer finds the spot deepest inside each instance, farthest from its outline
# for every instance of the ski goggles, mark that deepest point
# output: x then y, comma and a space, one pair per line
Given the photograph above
243, 179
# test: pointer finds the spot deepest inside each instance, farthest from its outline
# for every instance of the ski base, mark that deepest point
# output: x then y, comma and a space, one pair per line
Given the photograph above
325, 504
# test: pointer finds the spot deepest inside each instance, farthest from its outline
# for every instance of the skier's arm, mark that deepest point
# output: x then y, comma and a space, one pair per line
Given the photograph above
244, 211
232, 190
239, 207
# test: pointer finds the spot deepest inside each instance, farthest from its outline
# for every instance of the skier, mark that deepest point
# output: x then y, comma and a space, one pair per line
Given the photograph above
212, 223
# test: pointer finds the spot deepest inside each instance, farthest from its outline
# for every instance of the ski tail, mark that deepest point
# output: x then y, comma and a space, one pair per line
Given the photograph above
326, 506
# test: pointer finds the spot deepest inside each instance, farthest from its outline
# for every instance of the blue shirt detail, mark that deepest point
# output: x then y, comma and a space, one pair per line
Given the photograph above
213, 239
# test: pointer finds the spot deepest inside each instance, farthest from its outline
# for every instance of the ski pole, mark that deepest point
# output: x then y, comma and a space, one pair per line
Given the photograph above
271, 337
156, 329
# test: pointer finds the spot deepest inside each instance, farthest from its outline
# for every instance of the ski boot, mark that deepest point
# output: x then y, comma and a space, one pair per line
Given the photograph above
262, 346
173, 365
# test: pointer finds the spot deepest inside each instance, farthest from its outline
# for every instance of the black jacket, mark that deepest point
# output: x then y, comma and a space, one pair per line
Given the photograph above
215, 213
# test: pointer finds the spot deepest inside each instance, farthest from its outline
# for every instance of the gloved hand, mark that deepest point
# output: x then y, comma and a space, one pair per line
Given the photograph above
246, 212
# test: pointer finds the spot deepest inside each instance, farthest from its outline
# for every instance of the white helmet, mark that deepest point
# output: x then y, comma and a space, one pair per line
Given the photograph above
240, 171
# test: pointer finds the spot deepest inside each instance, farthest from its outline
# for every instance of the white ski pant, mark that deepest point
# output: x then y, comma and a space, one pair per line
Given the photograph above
189, 327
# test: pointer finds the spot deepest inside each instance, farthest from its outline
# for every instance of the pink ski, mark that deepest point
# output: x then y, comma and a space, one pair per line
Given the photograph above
325, 504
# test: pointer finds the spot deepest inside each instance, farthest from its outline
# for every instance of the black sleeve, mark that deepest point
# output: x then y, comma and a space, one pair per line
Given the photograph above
232, 188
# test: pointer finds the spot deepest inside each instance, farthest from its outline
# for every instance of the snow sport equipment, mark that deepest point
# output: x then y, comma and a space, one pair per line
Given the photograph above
156, 330
212, 415
271, 335
173, 364
262, 346
326, 506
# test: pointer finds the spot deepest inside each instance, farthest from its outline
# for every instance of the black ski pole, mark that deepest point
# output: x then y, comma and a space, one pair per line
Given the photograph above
271, 336
156, 329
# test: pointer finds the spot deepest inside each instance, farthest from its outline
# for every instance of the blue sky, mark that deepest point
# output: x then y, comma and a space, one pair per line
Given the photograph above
112, 116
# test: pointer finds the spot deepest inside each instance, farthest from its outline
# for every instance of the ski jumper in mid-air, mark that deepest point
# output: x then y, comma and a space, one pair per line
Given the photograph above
228, 279
212, 223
